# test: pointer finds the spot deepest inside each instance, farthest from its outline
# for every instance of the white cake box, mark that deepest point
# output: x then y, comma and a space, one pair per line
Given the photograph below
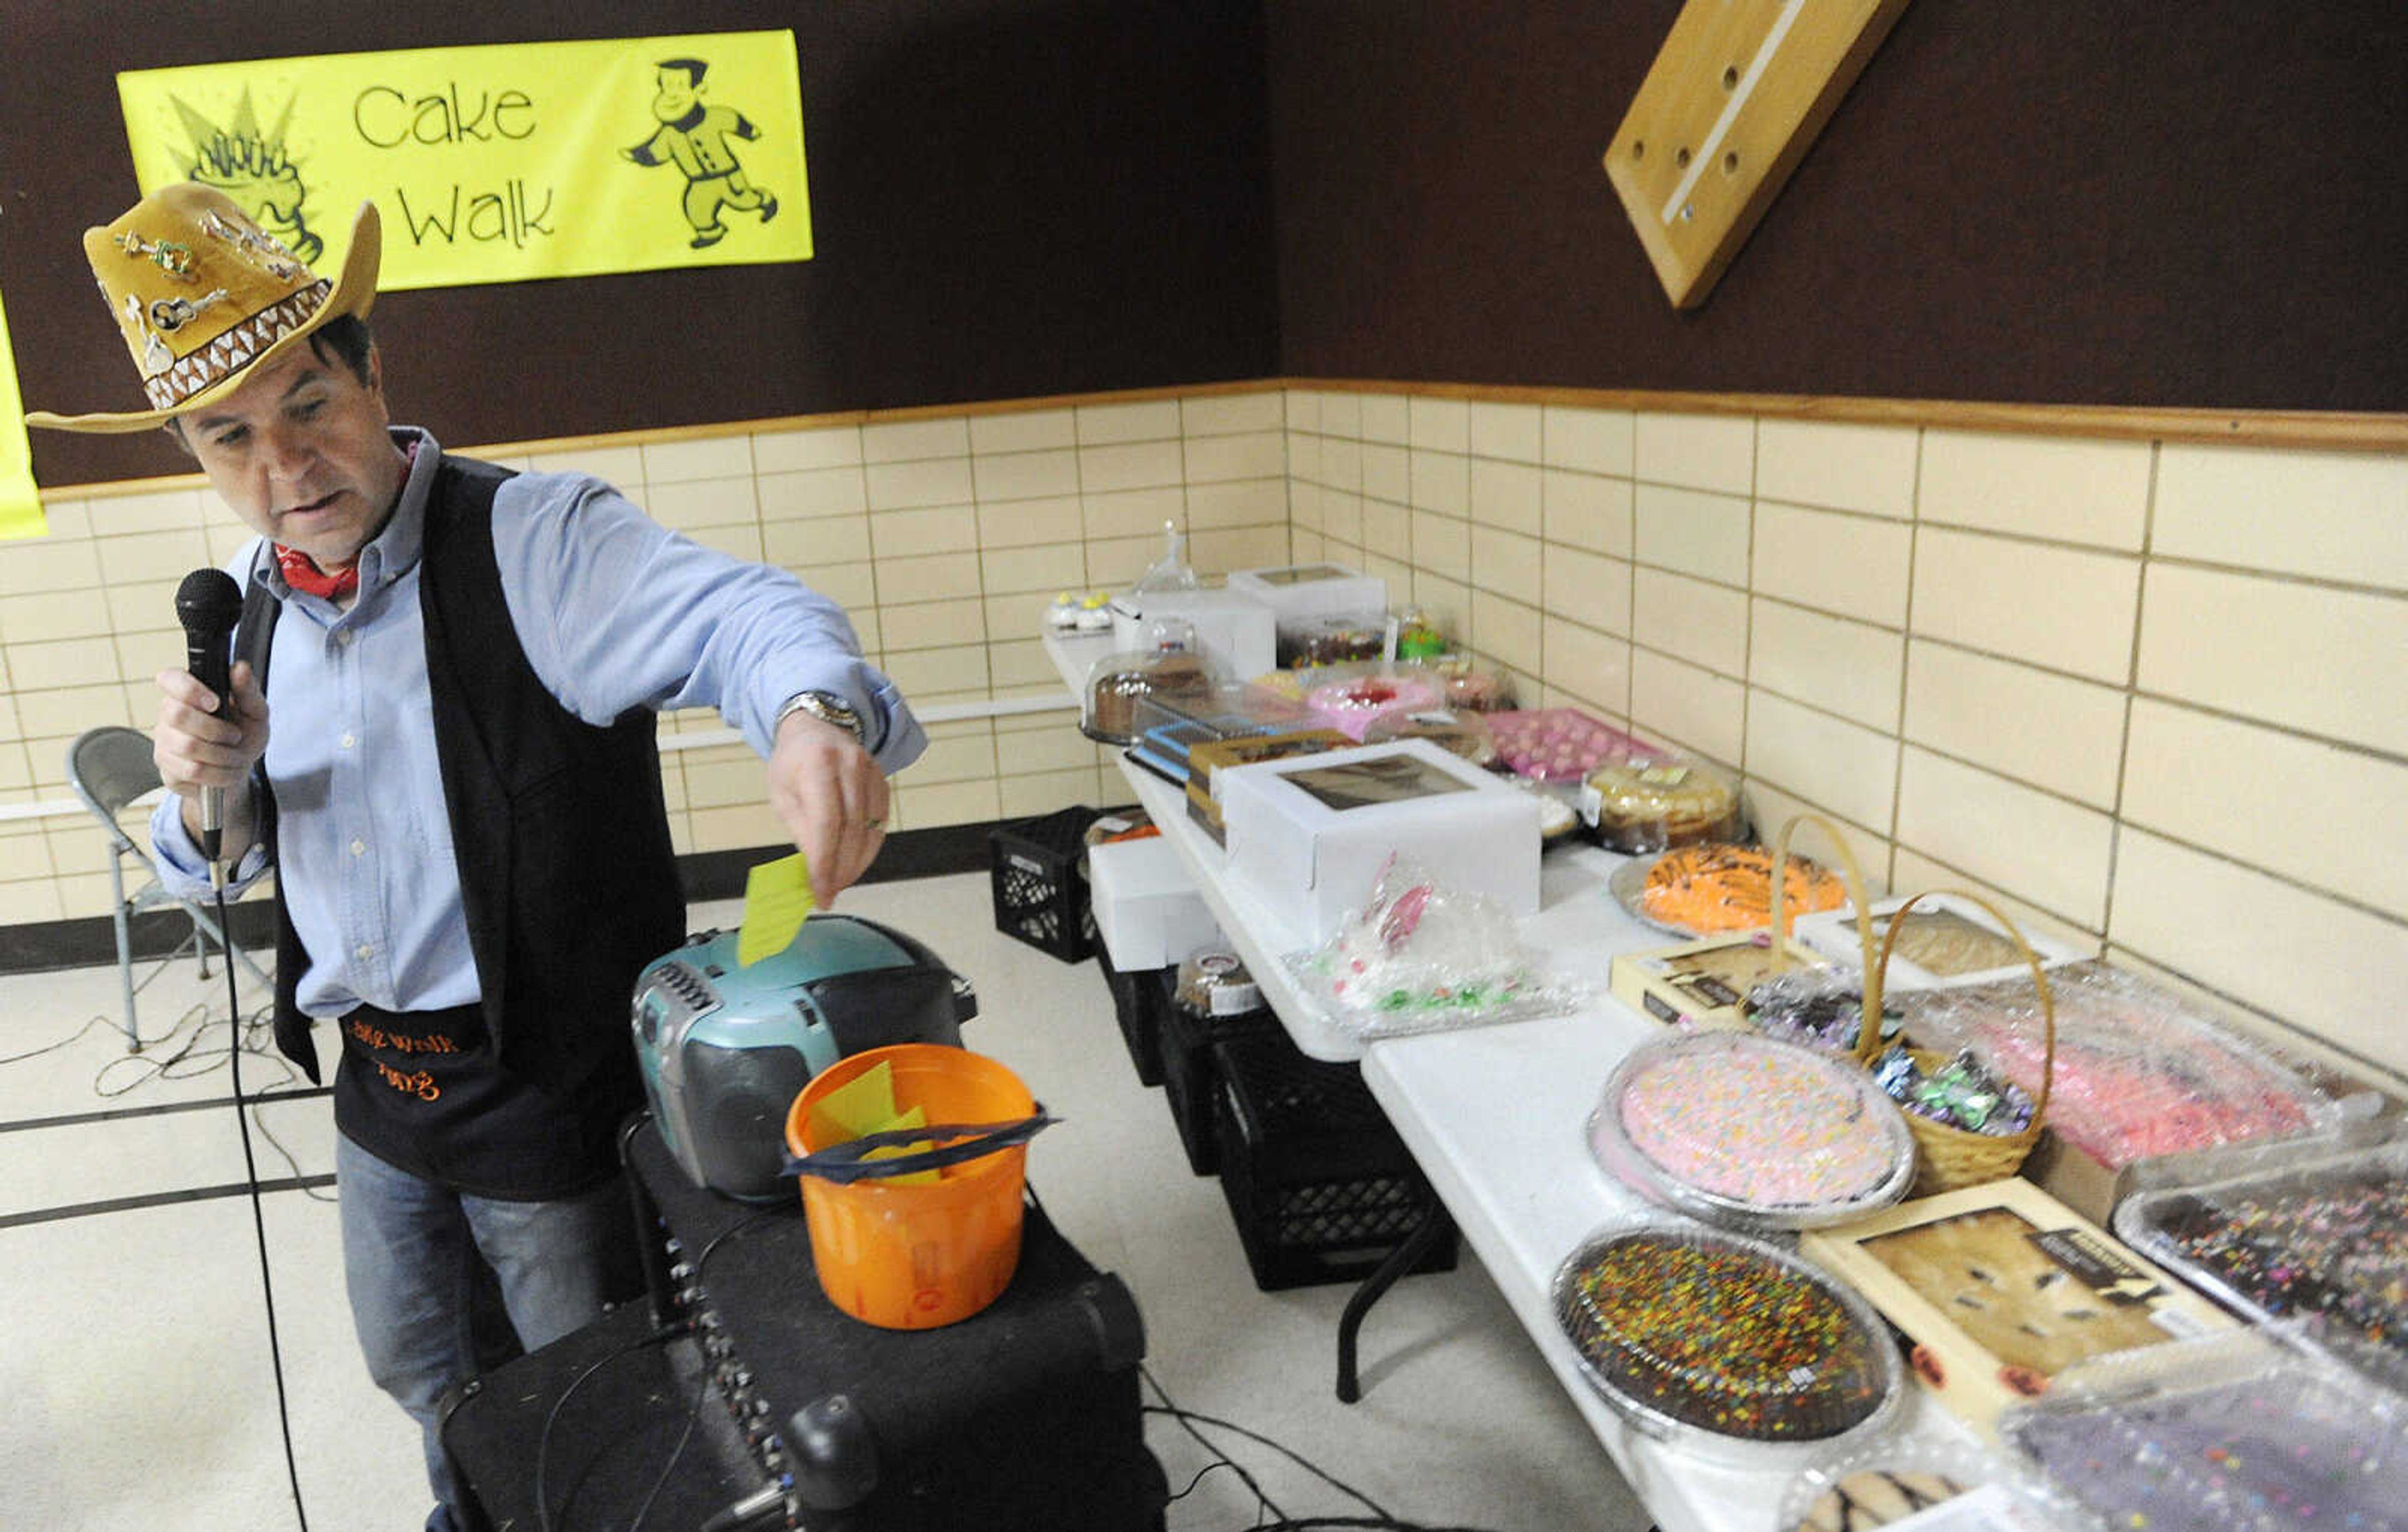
1233, 629
1301, 591
1147, 909
1941, 923
1310, 835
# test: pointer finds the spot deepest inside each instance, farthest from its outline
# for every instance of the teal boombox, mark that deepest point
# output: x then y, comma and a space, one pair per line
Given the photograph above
726, 1050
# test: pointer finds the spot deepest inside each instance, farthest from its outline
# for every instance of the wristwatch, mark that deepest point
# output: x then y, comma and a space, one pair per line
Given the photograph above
827, 708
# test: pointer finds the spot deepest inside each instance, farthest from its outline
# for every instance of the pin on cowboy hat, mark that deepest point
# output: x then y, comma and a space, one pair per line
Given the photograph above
205, 295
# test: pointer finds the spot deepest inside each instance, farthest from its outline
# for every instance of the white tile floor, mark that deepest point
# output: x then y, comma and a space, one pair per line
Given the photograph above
135, 1384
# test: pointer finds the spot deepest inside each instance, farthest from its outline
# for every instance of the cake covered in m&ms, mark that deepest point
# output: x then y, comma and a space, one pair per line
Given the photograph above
1692, 1330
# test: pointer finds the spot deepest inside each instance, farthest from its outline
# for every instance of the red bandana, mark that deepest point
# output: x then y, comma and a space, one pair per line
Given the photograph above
303, 575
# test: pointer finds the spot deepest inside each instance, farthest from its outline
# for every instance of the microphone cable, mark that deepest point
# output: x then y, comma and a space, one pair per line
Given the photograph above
258, 1217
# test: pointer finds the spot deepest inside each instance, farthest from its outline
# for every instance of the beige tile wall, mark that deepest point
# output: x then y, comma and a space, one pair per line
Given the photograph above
2153, 694
945, 536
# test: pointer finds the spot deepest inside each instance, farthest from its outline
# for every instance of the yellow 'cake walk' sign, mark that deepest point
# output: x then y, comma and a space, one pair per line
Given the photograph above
499, 164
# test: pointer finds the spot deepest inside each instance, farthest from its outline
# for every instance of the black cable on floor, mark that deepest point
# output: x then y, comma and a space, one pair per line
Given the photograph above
1268, 1516
1263, 1501
259, 1224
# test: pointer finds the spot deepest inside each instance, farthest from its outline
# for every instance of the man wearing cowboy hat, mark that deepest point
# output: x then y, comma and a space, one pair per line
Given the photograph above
459, 787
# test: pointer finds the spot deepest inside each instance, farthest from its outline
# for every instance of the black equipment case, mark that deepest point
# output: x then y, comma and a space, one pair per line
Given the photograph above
1024, 1416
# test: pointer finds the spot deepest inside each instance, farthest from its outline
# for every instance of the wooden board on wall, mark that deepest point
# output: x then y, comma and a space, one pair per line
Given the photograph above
1732, 103
1012, 198
2061, 205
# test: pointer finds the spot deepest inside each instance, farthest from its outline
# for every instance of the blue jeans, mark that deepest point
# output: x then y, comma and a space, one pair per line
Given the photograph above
427, 1267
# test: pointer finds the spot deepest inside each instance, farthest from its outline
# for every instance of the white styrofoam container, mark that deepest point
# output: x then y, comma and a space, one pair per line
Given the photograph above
1310, 835
1832, 934
1301, 591
1147, 909
1233, 629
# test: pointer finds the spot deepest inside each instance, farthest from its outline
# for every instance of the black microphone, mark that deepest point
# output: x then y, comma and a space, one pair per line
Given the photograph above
208, 603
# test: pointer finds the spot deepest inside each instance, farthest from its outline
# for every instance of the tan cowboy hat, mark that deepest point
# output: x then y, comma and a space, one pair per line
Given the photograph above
204, 295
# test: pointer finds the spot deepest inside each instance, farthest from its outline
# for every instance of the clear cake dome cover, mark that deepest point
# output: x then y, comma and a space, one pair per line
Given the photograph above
1168, 661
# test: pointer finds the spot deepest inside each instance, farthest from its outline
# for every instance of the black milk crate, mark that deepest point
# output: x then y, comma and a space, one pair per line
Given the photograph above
1040, 882
1190, 1080
1320, 1187
1138, 1000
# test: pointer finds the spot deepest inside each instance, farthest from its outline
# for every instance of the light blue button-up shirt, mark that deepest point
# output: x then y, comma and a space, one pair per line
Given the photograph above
614, 611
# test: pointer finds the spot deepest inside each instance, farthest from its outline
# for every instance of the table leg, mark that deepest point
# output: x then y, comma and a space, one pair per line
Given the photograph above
1407, 1254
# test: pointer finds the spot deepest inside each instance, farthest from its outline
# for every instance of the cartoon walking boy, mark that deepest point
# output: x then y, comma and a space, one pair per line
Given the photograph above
697, 139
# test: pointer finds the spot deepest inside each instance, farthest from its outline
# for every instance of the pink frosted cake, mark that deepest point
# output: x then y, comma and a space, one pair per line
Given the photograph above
1755, 1129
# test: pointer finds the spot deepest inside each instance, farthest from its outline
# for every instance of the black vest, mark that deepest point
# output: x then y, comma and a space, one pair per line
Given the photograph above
566, 873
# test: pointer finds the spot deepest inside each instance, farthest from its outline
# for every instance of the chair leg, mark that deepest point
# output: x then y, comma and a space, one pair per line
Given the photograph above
201, 946
204, 922
124, 952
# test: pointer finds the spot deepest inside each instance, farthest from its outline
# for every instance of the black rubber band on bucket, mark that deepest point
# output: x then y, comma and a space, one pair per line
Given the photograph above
846, 1163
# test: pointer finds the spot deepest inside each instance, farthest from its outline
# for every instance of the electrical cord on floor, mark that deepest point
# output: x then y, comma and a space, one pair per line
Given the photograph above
1269, 1517
189, 1060
1263, 1502
259, 1223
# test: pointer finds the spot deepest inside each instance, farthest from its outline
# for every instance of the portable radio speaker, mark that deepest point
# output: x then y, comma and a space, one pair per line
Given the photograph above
725, 1048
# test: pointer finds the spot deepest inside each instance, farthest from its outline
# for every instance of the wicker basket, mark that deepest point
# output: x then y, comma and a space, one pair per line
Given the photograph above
1869, 1026
1946, 1156
1955, 1156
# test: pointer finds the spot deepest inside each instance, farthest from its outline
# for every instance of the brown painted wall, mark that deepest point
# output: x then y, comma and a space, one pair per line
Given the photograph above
2135, 203
1010, 198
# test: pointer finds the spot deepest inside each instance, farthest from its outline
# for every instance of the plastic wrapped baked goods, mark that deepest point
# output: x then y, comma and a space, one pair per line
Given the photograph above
1448, 728
1712, 1339
1558, 821
1707, 890
1751, 1133
1945, 939
1166, 664
2139, 1073
1421, 957
1554, 744
1307, 641
1213, 982
1350, 706
1886, 1481
1472, 688
1646, 800
2237, 1433
2309, 1234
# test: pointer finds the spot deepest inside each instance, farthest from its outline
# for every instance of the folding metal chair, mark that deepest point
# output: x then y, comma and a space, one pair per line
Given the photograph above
109, 769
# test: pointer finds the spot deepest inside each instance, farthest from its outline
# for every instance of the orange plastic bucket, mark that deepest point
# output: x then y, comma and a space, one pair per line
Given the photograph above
912, 1257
